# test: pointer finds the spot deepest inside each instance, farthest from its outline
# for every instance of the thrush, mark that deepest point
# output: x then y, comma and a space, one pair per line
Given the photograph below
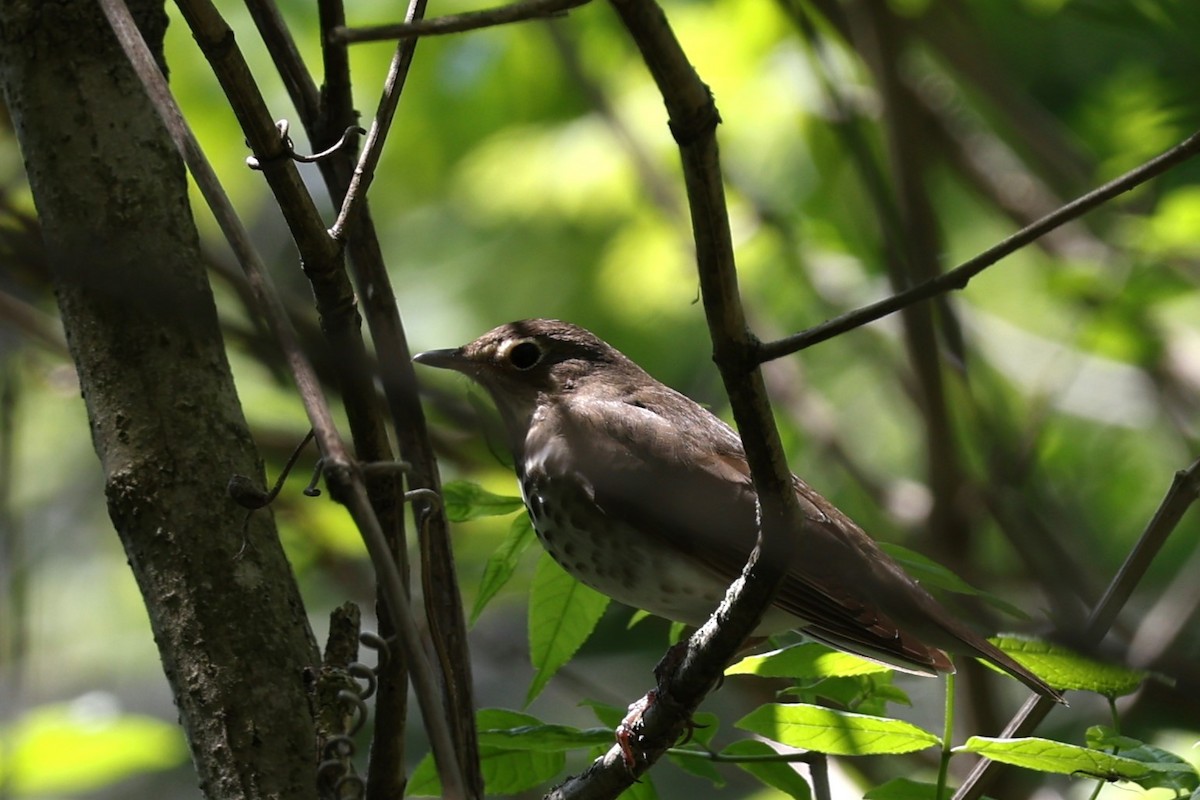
645, 496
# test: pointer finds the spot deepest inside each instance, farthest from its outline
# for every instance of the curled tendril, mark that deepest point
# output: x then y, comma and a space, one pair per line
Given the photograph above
289, 148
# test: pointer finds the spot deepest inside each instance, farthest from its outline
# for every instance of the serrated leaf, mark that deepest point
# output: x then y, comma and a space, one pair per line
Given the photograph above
930, 573
1064, 669
503, 562
839, 733
805, 661
562, 615
1045, 755
776, 774
505, 770
464, 501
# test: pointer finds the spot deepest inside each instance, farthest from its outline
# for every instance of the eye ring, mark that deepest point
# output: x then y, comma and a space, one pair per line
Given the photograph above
524, 355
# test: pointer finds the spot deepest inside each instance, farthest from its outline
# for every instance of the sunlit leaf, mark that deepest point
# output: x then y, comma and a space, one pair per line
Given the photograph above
562, 615
1064, 669
807, 660
1045, 755
835, 732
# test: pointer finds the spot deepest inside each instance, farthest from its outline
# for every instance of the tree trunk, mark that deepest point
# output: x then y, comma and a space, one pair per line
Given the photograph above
123, 250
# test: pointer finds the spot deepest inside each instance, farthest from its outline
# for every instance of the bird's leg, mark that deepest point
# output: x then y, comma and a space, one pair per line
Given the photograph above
627, 731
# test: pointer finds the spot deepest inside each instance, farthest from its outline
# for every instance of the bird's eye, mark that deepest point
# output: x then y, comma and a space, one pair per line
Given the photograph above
524, 355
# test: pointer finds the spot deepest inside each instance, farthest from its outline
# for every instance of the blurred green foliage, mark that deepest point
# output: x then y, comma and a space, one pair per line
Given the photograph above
531, 173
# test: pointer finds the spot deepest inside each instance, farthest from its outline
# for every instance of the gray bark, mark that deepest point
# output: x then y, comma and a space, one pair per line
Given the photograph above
165, 419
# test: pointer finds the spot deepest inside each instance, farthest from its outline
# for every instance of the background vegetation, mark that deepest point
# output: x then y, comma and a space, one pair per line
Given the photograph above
1024, 438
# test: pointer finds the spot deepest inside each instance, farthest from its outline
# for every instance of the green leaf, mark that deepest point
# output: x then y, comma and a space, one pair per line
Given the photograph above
637, 616
505, 770
695, 761
805, 661
1102, 737
866, 694
704, 728
907, 789
546, 738
776, 774
1064, 669
465, 501
1046, 755
562, 615
503, 562
642, 789
608, 715
930, 573
835, 732
73, 748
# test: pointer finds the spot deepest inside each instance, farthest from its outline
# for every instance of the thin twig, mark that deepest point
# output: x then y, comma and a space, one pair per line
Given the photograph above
1185, 488
393, 85
443, 601
960, 276
456, 23
341, 471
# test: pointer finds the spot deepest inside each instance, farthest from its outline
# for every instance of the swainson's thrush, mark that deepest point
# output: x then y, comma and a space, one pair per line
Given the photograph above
645, 496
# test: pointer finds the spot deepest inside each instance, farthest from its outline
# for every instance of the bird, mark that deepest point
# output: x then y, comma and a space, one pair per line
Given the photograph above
642, 494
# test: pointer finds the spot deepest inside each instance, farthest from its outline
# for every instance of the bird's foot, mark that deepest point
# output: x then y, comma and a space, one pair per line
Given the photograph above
629, 732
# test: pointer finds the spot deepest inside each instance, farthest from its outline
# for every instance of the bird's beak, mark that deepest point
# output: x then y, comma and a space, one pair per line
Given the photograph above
444, 359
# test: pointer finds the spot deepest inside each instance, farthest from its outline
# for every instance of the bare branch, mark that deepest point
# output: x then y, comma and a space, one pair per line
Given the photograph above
443, 602
1185, 488
960, 276
456, 23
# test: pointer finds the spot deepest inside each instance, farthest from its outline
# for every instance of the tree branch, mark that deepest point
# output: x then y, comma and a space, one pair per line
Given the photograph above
456, 23
1185, 488
693, 120
960, 276
342, 473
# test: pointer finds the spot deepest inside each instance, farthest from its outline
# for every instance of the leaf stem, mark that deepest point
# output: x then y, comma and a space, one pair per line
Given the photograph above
947, 737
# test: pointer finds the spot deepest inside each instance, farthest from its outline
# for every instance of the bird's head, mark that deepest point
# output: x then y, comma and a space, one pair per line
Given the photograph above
528, 363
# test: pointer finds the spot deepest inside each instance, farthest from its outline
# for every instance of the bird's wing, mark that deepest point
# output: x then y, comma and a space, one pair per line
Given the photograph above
685, 480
